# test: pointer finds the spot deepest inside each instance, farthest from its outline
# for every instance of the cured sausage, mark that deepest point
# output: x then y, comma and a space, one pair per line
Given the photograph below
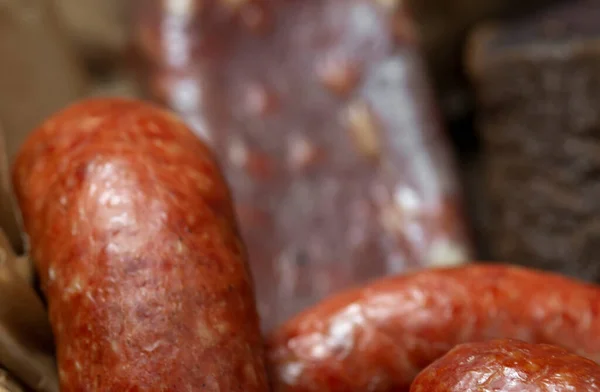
509, 366
137, 247
322, 117
377, 338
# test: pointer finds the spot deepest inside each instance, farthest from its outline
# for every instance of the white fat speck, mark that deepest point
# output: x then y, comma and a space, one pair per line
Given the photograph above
74, 287
77, 366
89, 123
205, 333
319, 351
122, 219
51, 274
151, 347
89, 296
445, 253
342, 328
238, 153
407, 199
114, 346
110, 199
63, 200
179, 247
292, 372
188, 94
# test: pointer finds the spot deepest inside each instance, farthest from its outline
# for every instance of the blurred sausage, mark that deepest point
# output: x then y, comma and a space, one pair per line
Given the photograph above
379, 337
322, 116
509, 366
136, 244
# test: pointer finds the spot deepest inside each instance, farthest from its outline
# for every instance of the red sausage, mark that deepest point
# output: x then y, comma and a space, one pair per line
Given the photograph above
377, 338
137, 247
509, 366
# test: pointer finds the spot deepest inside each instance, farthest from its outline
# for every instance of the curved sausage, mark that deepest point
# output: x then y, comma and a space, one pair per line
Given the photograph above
378, 337
509, 366
137, 247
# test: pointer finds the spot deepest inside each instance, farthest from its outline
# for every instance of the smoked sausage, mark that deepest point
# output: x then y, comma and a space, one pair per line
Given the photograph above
326, 127
508, 365
377, 338
137, 247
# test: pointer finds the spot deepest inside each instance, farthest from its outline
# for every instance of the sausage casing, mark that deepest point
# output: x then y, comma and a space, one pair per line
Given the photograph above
508, 365
379, 337
135, 241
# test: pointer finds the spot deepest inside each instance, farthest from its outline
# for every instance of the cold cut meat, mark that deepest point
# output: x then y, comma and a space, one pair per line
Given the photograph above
378, 337
136, 243
322, 117
509, 366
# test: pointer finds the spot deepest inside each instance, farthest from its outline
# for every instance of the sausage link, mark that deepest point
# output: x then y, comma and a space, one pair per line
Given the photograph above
379, 337
137, 247
508, 365
334, 185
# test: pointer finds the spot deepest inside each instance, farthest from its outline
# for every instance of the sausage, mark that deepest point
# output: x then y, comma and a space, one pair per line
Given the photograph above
137, 248
509, 365
334, 185
378, 337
